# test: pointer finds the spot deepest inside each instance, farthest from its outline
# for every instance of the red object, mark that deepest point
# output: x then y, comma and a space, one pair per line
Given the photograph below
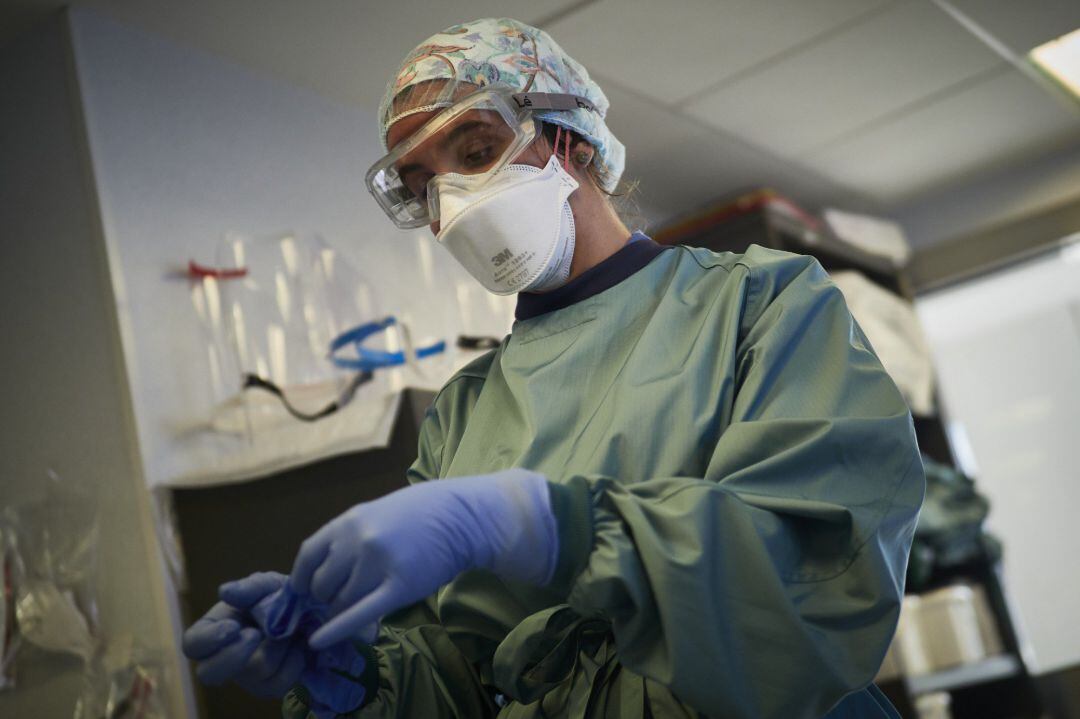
199, 271
744, 204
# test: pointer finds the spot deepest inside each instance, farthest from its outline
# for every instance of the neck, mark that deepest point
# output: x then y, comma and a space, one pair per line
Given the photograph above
599, 234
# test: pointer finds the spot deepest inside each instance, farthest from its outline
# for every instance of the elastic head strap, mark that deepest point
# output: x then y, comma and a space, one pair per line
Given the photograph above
551, 101
560, 133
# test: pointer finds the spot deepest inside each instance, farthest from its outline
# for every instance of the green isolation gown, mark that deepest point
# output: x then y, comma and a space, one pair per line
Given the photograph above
735, 480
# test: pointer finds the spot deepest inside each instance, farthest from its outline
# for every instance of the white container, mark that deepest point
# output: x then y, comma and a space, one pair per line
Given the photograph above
991, 635
945, 628
949, 625
934, 706
908, 640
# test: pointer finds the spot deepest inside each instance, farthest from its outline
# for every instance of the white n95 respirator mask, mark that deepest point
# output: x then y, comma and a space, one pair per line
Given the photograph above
513, 231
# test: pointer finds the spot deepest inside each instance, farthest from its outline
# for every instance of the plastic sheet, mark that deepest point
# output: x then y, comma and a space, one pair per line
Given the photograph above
50, 618
270, 305
121, 684
271, 309
10, 575
49, 545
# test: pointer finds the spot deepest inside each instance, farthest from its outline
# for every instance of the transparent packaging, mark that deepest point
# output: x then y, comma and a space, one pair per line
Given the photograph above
49, 544
10, 575
274, 308
121, 683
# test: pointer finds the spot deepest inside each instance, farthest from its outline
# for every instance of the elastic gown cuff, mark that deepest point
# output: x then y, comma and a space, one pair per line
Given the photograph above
571, 503
368, 679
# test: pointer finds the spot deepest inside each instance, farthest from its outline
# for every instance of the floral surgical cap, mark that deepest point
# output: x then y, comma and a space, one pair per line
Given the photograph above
501, 50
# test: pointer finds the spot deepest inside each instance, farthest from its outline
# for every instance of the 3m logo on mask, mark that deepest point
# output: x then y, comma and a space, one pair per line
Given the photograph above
502, 258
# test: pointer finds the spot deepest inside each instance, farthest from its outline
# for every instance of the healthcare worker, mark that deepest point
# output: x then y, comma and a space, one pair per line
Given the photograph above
683, 485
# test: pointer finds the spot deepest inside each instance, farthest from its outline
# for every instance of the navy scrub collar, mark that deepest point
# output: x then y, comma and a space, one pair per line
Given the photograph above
638, 252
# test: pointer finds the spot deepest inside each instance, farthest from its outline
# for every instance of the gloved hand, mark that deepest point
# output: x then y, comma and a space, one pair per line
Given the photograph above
383, 555
228, 645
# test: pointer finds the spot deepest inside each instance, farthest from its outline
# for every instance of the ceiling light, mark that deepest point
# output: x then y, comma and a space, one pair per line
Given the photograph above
1060, 59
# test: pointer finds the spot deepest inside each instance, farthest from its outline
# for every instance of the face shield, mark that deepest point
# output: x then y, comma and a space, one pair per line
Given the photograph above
477, 136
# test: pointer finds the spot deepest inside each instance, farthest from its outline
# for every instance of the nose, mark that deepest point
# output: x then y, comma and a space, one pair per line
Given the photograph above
434, 227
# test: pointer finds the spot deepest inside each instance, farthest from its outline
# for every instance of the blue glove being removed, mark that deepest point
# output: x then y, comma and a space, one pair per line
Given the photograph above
383, 555
333, 678
257, 638
228, 645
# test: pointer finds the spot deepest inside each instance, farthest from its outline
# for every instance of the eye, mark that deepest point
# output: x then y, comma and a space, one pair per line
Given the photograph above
417, 182
478, 156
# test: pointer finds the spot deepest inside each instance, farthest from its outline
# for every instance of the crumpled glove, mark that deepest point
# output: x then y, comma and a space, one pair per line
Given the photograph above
333, 679
383, 555
257, 638
228, 645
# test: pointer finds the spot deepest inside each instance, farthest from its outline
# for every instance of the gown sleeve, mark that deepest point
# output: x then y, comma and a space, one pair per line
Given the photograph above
421, 672
771, 586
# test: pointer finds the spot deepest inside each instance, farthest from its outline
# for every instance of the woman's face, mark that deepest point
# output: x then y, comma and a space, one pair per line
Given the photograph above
469, 147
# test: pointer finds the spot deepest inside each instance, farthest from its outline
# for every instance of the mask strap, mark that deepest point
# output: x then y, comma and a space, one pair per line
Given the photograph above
559, 135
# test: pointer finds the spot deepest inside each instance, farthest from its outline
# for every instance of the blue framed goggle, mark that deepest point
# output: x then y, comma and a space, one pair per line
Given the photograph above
367, 359
365, 363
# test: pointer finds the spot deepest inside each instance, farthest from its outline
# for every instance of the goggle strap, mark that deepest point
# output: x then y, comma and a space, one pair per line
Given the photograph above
551, 101
370, 359
253, 381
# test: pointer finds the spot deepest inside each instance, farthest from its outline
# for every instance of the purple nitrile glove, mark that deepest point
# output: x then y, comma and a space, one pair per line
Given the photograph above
383, 555
229, 646
332, 677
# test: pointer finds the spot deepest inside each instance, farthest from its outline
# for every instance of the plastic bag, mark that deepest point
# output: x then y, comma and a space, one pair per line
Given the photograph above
50, 618
121, 683
51, 549
10, 577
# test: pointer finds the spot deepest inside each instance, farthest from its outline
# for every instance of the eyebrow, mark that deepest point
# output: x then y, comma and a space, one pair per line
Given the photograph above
450, 137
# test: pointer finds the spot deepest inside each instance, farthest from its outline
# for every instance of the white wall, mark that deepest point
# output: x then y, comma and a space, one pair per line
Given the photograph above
187, 146
1007, 351
65, 400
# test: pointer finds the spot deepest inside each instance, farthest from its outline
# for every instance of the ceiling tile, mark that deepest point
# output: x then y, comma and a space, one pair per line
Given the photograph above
682, 164
853, 78
1005, 117
1022, 26
346, 51
675, 48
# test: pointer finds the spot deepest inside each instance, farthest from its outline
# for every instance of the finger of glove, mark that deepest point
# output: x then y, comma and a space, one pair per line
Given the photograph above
312, 554
227, 663
208, 636
360, 584
265, 661
332, 574
353, 621
287, 676
246, 593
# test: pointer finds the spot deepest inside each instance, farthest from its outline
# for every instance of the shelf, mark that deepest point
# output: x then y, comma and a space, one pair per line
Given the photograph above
988, 670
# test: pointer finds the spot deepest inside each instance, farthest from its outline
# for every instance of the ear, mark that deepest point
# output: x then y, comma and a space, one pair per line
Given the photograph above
582, 153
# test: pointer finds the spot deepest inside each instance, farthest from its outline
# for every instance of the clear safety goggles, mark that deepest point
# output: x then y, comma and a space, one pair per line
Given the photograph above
478, 135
